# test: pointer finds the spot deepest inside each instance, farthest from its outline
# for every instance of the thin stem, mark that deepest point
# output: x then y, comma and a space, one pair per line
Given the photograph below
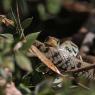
83, 86
88, 67
20, 27
14, 17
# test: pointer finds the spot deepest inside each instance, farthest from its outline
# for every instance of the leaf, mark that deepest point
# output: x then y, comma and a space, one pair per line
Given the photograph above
6, 42
53, 6
2, 42
7, 35
44, 59
52, 41
26, 23
6, 21
8, 63
7, 4
29, 40
42, 11
25, 89
23, 62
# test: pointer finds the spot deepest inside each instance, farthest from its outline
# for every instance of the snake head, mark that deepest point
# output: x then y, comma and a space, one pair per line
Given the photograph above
69, 48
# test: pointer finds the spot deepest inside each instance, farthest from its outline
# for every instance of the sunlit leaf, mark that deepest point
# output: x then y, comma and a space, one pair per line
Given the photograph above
23, 62
29, 40
6, 42
8, 37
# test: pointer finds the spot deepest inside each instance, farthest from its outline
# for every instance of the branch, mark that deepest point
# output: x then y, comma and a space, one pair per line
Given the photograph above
87, 67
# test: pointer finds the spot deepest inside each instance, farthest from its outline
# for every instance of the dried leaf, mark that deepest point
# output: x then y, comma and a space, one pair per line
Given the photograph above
51, 41
6, 21
44, 59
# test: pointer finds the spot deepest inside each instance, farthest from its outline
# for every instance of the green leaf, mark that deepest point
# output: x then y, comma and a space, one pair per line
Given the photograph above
42, 11
8, 63
7, 4
53, 6
2, 42
29, 40
25, 89
23, 62
26, 23
9, 37
6, 42
6, 35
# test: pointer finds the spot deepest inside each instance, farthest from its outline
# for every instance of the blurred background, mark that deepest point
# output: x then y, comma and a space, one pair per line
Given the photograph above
58, 18
72, 19
64, 19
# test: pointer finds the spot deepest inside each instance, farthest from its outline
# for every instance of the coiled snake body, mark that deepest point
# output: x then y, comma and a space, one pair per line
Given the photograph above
63, 56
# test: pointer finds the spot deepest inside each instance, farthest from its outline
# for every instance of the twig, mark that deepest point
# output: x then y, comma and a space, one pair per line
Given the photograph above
83, 86
88, 67
89, 58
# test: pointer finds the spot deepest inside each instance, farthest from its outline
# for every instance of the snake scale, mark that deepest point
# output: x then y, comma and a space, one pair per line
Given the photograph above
63, 56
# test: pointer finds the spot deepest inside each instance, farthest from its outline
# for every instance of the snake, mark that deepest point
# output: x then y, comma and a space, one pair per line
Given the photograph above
63, 56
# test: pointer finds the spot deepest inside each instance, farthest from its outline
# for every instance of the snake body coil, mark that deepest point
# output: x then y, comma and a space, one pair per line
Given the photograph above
63, 56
